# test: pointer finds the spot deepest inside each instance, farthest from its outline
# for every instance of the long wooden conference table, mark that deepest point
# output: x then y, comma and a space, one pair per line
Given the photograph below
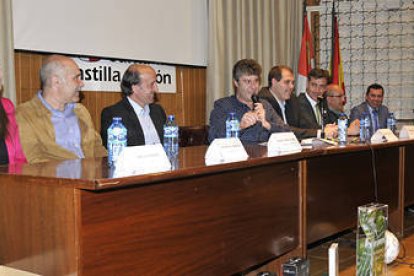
72, 217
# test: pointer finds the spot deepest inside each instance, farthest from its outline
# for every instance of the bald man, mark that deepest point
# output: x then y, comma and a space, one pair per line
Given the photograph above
335, 97
53, 125
143, 118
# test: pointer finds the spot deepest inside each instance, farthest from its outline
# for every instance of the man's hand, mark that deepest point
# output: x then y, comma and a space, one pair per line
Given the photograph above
249, 118
261, 115
353, 128
331, 131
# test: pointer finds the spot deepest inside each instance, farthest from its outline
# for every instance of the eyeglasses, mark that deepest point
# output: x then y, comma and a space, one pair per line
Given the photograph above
250, 81
336, 96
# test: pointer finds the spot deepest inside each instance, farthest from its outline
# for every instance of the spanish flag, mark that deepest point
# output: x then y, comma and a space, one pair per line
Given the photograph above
306, 57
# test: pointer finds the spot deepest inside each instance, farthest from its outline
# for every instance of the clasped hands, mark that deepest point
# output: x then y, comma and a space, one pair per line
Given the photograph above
331, 130
258, 114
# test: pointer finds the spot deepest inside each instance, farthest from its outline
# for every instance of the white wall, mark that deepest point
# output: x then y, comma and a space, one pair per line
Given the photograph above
166, 31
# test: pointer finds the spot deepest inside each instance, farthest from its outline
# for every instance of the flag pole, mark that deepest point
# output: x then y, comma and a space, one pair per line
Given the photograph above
333, 37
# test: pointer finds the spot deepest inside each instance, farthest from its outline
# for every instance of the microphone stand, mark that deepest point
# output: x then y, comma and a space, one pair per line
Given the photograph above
324, 114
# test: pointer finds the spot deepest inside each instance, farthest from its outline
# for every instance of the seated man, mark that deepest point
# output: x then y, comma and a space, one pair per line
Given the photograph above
335, 98
53, 125
310, 115
373, 106
279, 94
257, 121
143, 118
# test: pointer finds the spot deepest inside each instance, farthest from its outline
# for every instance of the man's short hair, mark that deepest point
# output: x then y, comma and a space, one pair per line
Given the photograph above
375, 86
276, 73
246, 67
132, 76
53, 64
318, 73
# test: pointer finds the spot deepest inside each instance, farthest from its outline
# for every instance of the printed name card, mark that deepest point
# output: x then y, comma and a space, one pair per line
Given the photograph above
141, 160
383, 135
407, 132
225, 150
283, 143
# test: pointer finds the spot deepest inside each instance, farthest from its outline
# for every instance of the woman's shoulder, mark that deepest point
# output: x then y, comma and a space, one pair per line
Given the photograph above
7, 104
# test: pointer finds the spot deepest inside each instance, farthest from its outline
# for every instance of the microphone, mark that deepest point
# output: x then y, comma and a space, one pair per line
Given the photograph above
323, 112
255, 100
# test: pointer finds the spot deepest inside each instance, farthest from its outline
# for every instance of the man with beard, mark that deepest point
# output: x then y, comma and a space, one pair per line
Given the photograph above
53, 125
143, 118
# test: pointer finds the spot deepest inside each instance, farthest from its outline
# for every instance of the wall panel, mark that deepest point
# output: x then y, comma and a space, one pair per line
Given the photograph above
188, 104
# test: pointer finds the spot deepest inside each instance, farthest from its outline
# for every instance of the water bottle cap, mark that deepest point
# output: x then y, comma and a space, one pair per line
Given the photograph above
171, 117
116, 119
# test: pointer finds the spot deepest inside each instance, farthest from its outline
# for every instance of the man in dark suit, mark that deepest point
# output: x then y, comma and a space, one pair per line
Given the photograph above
143, 118
280, 95
373, 107
335, 98
310, 102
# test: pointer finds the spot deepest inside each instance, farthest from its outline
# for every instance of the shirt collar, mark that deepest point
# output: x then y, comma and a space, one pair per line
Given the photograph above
68, 107
137, 108
280, 102
312, 101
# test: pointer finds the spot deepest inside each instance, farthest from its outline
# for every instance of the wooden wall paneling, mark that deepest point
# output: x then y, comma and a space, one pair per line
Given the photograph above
194, 102
28, 76
188, 104
17, 72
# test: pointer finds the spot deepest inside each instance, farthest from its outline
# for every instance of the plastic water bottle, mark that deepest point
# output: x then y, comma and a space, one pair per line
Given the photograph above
367, 127
362, 128
342, 129
232, 126
391, 122
171, 136
117, 140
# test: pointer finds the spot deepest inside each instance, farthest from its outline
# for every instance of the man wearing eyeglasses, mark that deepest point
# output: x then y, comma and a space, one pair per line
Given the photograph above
335, 97
257, 120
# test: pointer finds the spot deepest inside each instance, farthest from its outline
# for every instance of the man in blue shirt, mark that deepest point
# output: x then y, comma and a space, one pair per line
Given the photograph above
257, 120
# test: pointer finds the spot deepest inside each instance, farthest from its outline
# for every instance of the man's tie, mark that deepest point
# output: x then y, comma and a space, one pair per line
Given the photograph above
318, 113
375, 117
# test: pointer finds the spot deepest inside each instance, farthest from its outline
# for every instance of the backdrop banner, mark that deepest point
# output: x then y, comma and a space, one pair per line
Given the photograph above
105, 75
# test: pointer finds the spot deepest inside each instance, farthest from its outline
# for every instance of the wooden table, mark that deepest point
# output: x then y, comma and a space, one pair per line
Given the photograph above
73, 217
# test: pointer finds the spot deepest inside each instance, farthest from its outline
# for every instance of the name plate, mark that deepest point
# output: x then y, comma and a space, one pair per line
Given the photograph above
383, 135
407, 132
283, 143
139, 160
225, 150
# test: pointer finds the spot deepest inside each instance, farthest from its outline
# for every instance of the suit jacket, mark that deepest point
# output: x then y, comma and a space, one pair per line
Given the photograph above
12, 140
307, 117
291, 113
130, 120
356, 112
37, 133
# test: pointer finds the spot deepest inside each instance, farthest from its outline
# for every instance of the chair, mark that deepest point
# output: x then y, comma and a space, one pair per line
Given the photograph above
193, 135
